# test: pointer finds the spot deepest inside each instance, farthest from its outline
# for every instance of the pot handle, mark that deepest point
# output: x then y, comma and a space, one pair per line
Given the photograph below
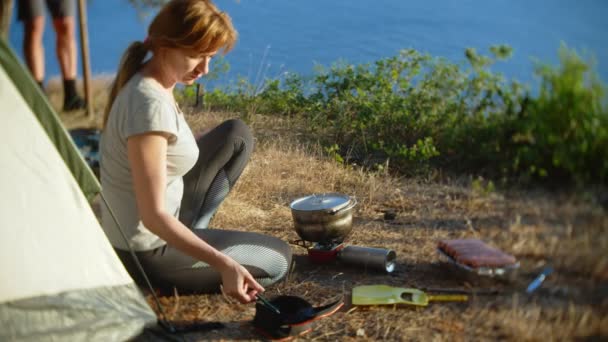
349, 206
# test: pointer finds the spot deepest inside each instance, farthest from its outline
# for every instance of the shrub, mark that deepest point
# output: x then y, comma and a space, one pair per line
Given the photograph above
423, 112
565, 130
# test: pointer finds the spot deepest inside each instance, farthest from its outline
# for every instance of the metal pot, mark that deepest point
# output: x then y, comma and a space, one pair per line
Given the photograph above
325, 218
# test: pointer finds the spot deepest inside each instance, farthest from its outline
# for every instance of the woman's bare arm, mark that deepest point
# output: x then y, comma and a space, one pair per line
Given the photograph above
147, 159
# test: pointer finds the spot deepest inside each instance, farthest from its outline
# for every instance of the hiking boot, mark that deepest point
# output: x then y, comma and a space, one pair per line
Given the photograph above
75, 103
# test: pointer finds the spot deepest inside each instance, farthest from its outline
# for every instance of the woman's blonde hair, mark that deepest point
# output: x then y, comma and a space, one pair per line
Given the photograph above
194, 26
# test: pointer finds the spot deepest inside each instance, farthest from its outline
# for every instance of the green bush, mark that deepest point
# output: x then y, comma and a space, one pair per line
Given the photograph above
565, 130
423, 112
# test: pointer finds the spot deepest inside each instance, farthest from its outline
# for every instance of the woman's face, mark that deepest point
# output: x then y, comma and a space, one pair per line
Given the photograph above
187, 68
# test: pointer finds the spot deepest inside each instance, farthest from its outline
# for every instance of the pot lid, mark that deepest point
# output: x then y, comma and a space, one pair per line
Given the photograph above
332, 201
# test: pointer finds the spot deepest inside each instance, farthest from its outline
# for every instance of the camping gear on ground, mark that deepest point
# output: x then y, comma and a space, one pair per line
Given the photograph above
387, 295
475, 253
268, 304
296, 318
87, 141
476, 256
368, 257
61, 279
325, 218
535, 284
323, 222
465, 291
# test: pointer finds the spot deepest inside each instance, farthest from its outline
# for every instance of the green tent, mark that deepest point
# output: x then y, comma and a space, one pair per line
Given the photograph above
61, 279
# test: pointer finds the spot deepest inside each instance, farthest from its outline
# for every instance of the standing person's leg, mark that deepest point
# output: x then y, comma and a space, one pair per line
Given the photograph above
63, 12
31, 13
224, 153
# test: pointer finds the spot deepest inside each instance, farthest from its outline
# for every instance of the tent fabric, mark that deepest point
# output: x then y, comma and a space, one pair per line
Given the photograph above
60, 275
99, 314
39, 105
42, 212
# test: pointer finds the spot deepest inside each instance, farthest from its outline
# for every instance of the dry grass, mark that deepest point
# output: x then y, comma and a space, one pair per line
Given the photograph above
539, 228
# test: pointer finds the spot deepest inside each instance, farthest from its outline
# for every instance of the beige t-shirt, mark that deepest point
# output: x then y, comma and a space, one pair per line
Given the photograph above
141, 106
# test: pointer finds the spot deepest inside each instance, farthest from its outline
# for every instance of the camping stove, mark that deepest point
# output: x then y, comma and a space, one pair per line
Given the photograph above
378, 259
321, 252
323, 222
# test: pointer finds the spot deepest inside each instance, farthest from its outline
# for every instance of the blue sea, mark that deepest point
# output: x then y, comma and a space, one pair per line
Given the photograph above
278, 36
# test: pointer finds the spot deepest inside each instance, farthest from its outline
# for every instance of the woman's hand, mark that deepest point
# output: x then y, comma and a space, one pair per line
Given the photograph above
238, 283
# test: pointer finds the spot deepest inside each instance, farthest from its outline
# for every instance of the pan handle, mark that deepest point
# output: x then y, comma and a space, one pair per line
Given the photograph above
349, 206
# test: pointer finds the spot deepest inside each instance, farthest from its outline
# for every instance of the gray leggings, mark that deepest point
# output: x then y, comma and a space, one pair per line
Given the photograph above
224, 152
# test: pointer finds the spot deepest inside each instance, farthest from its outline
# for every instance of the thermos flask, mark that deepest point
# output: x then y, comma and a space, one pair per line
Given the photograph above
378, 259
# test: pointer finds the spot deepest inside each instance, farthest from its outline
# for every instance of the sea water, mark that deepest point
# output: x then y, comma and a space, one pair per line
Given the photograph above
278, 36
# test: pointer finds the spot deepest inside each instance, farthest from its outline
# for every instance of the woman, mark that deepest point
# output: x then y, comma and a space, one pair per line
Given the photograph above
162, 185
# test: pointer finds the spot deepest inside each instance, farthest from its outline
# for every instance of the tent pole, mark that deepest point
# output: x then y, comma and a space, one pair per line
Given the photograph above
163, 320
84, 48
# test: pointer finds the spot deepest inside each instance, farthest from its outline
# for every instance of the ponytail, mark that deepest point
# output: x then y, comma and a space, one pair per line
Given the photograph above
131, 62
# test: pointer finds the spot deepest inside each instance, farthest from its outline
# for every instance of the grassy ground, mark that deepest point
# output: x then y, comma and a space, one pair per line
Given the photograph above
540, 228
